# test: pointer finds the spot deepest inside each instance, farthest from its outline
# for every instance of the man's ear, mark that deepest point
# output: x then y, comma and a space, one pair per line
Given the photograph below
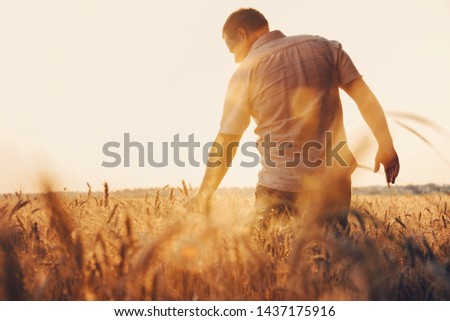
242, 33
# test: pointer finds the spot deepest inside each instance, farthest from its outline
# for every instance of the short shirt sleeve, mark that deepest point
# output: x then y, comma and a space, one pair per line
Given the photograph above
344, 65
236, 109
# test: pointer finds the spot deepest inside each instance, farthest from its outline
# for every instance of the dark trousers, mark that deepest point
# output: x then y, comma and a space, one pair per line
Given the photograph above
326, 205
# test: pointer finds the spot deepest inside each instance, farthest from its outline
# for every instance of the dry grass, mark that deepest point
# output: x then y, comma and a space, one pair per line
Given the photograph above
150, 247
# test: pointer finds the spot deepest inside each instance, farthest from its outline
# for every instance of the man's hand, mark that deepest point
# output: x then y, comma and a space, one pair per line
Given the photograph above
200, 202
388, 157
220, 159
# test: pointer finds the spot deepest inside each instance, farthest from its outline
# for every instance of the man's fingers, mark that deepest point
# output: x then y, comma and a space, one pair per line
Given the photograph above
387, 173
199, 203
392, 176
190, 204
392, 172
395, 172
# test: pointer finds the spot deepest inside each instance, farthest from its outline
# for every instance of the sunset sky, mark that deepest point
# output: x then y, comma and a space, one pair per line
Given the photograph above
75, 75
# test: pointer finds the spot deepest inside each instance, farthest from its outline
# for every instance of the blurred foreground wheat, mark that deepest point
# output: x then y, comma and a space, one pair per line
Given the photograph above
114, 246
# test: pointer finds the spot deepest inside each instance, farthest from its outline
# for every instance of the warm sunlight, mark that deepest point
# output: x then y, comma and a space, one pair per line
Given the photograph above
76, 76
145, 170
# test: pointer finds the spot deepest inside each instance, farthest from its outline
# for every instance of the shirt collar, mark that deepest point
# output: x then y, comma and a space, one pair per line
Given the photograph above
265, 38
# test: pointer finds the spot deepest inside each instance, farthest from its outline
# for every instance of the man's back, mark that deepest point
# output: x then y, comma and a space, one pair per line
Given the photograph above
290, 86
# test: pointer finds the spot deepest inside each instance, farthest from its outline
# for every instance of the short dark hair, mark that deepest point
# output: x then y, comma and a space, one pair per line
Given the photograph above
248, 18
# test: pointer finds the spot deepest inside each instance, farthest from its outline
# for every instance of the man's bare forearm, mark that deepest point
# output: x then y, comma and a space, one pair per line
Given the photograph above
212, 179
219, 160
371, 111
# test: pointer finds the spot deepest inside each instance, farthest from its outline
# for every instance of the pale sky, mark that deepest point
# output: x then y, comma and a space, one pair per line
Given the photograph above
77, 74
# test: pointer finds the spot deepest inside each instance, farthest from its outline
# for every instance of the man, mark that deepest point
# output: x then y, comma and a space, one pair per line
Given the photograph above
290, 87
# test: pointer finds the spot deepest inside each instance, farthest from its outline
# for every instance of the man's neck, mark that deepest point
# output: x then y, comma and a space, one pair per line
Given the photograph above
260, 32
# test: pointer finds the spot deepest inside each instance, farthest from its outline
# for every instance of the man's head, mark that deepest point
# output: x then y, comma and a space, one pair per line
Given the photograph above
242, 28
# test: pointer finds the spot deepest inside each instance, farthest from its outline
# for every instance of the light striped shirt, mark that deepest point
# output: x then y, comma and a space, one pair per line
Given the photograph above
290, 87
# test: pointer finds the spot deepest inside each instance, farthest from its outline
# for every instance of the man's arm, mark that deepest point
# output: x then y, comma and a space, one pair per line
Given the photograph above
373, 114
220, 157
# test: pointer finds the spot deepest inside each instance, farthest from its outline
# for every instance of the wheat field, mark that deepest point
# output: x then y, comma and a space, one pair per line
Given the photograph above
150, 246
